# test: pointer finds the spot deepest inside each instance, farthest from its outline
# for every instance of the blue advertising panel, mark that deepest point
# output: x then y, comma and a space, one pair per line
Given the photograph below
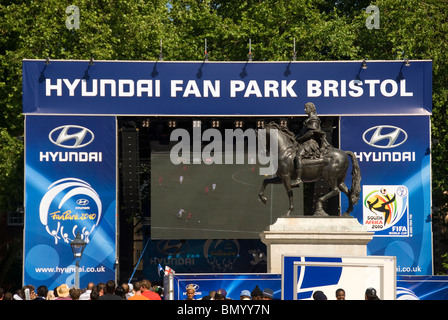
407, 287
226, 88
70, 189
205, 256
233, 284
395, 204
422, 288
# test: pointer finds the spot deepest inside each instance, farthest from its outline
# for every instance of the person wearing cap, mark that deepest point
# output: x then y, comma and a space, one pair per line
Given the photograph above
220, 294
63, 292
245, 295
190, 292
268, 294
371, 294
319, 295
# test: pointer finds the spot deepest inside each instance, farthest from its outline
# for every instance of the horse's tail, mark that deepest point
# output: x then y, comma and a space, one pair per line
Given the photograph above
355, 189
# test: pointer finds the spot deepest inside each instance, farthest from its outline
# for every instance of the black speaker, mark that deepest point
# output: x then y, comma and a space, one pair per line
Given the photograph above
130, 171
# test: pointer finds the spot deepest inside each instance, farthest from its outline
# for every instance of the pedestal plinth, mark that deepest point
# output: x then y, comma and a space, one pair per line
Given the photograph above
309, 235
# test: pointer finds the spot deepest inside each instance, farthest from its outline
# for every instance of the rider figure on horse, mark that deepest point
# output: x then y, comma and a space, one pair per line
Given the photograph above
312, 141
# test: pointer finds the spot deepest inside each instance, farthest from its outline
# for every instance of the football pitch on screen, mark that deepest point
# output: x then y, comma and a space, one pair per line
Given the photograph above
212, 201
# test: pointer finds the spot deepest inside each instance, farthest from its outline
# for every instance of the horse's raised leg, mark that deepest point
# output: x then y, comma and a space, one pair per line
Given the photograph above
275, 180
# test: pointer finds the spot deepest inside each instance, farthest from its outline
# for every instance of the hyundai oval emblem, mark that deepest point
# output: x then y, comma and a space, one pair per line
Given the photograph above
82, 202
71, 136
384, 136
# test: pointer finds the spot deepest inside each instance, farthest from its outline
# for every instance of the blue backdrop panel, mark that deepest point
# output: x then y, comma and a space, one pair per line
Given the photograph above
422, 288
70, 187
226, 88
204, 256
395, 204
232, 283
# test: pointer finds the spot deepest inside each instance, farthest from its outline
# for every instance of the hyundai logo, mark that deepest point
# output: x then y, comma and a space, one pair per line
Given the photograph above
82, 202
384, 136
71, 136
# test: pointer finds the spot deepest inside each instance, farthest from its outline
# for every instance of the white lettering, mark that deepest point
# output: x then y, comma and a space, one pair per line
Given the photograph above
214, 90
57, 87
92, 93
343, 88
49, 156
192, 88
175, 88
355, 85
383, 86
112, 84
407, 156
403, 92
252, 88
208, 88
236, 86
331, 86
71, 86
313, 87
122, 85
144, 86
372, 84
287, 88
270, 86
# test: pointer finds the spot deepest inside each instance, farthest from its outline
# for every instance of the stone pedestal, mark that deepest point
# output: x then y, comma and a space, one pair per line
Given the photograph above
309, 235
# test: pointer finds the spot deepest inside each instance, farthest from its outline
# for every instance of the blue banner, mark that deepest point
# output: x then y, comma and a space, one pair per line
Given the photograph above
70, 189
233, 284
226, 88
408, 287
422, 288
204, 256
395, 204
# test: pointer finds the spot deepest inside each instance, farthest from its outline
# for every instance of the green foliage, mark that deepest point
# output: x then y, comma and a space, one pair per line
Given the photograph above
133, 29
11, 168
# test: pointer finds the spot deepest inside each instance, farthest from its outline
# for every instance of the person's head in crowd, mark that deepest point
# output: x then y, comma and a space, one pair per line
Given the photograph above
220, 294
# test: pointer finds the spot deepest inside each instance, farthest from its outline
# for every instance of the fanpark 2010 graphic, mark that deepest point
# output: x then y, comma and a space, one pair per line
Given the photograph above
386, 210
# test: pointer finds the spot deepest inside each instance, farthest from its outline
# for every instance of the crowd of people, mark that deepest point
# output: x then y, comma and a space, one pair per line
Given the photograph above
370, 294
221, 294
141, 290
144, 290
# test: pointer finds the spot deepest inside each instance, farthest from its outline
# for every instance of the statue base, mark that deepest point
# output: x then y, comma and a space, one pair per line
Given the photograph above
314, 235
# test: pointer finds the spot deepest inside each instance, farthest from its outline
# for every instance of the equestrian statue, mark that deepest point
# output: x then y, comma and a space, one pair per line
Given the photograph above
309, 157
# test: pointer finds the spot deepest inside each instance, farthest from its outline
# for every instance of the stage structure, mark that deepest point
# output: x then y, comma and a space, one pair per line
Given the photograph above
81, 177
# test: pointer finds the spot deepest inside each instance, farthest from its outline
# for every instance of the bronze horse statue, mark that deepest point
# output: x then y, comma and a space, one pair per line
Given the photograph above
331, 167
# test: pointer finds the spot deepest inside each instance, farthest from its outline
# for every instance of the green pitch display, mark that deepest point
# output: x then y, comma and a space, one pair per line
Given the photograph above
212, 201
